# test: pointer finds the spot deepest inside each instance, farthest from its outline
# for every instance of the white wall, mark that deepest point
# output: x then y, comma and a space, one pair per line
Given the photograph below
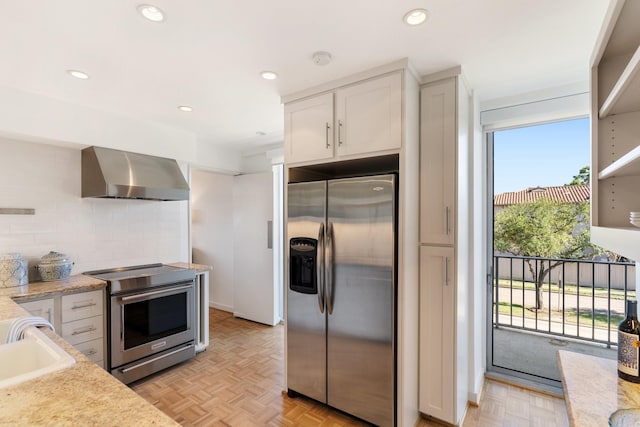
212, 232
95, 233
478, 258
54, 121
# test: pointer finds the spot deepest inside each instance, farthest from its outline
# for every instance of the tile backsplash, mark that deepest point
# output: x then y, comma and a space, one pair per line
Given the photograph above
94, 233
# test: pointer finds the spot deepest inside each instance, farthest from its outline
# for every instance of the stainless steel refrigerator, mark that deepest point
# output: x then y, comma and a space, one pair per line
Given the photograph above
341, 295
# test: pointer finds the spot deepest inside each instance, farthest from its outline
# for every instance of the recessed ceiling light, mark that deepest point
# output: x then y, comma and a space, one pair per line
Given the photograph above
416, 16
78, 74
152, 13
269, 75
185, 108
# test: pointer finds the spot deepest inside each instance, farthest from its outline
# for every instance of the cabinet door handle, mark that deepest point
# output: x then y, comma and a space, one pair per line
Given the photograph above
446, 271
339, 132
77, 307
84, 331
326, 136
447, 221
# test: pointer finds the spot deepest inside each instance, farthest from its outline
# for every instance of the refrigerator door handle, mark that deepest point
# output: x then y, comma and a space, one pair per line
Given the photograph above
329, 268
320, 276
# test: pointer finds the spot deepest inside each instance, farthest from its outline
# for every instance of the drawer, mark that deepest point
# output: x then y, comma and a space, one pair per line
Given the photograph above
82, 305
83, 330
93, 349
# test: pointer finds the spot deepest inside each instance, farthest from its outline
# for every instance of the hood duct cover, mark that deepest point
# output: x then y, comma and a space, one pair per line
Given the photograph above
120, 174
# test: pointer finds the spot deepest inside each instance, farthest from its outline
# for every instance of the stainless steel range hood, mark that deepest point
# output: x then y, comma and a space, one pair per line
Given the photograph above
112, 173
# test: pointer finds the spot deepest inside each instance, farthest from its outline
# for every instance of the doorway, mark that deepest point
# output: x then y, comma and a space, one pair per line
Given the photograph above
543, 266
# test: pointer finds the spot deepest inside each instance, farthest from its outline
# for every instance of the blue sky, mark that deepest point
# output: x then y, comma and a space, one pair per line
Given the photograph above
542, 155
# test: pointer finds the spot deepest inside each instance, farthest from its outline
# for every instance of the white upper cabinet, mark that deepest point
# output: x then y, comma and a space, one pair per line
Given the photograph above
438, 130
369, 116
368, 119
308, 129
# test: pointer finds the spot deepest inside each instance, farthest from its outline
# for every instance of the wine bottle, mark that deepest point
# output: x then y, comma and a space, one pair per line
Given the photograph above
629, 345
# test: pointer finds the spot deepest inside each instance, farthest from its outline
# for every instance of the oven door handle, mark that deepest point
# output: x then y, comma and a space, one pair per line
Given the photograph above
155, 359
145, 295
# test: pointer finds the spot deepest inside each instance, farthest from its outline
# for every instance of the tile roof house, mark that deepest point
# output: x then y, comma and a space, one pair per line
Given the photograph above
562, 193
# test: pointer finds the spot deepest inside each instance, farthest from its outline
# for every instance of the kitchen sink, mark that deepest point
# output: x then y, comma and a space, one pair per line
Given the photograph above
31, 357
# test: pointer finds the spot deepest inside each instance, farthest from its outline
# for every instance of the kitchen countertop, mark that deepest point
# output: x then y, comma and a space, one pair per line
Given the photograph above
44, 289
83, 394
198, 267
592, 389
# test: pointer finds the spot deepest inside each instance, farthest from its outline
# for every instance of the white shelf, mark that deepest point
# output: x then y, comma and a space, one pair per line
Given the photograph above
625, 95
629, 164
624, 241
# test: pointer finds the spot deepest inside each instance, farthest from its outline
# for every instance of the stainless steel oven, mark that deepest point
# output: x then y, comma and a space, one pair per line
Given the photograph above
152, 322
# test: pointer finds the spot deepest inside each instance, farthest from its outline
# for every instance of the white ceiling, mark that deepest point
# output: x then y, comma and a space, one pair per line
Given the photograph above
208, 54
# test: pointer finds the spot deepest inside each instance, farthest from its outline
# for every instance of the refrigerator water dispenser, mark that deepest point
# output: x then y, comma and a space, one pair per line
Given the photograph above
303, 257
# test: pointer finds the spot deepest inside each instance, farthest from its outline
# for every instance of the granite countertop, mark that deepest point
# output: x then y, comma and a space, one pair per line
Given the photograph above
43, 289
83, 394
198, 267
592, 389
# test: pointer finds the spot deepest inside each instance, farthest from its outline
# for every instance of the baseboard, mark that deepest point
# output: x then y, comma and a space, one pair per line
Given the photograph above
222, 307
474, 397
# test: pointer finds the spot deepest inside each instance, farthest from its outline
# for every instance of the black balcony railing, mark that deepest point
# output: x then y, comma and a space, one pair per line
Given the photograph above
580, 299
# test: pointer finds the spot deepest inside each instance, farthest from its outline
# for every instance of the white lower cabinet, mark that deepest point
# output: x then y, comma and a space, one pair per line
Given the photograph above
93, 349
78, 318
82, 330
437, 333
42, 308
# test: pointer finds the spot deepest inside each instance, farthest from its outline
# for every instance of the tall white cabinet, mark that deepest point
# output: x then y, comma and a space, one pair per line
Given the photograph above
444, 244
615, 133
361, 124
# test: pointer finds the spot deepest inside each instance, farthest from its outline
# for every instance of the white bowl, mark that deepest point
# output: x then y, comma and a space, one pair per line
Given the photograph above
635, 223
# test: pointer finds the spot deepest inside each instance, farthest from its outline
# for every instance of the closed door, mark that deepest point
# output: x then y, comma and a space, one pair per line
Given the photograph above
254, 294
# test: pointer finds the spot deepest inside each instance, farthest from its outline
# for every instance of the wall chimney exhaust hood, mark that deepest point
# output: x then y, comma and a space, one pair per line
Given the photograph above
109, 173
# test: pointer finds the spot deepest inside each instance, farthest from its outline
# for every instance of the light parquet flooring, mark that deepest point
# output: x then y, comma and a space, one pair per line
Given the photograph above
238, 381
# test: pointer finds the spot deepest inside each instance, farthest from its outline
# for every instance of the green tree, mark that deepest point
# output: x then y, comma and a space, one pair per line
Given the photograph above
583, 176
544, 229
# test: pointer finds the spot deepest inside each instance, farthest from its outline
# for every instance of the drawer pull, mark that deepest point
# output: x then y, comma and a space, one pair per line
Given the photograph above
84, 331
90, 352
77, 307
